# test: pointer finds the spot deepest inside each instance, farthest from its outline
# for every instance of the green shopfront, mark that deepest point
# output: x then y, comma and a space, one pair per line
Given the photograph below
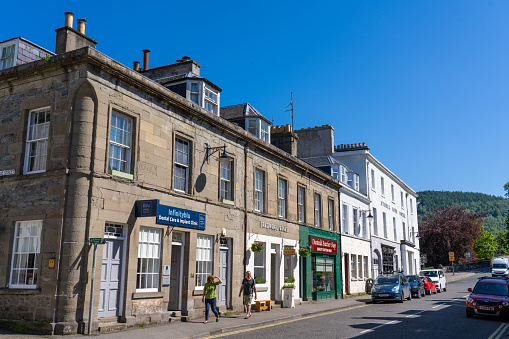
321, 270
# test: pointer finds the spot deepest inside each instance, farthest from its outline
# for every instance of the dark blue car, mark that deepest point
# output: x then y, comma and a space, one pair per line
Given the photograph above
391, 287
416, 286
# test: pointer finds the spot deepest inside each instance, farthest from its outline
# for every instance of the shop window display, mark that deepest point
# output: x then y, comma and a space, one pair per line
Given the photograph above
323, 274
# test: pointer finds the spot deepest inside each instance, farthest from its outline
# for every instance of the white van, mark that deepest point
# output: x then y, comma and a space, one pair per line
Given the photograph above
437, 276
500, 267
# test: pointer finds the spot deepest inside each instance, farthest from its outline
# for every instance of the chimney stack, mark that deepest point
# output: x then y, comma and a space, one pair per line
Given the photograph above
68, 19
145, 59
186, 58
69, 39
136, 66
81, 26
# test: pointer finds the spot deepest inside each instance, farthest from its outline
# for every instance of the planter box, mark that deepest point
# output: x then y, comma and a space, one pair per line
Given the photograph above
288, 297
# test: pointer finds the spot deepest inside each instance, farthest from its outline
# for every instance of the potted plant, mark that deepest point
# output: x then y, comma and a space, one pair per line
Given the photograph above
260, 280
257, 247
303, 252
289, 283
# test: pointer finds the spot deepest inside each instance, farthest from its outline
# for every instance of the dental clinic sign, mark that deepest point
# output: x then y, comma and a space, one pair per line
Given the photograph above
323, 245
169, 215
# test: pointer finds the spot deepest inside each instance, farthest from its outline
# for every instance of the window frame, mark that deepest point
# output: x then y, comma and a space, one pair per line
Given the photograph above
393, 196
13, 55
185, 167
301, 203
384, 221
37, 141
355, 219
373, 180
228, 181
394, 224
282, 197
382, 186
359, 267
127, 148
259, 192
260, 268
353, 266
156, 269
345, 218
375, 221
317, 206
331, 214
17, 250
209, 102
366, 267
207, 265
196, 93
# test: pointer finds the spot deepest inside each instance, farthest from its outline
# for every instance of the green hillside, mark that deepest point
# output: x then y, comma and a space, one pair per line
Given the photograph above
494, 208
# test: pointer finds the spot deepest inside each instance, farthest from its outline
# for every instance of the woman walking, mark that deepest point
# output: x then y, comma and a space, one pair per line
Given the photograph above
210, 295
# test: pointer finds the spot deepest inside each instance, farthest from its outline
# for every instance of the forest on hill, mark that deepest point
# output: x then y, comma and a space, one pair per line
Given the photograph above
493, 208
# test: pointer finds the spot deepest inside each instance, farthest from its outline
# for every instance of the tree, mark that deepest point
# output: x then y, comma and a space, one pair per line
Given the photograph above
448, 229
506, 188
501, 244
484, 246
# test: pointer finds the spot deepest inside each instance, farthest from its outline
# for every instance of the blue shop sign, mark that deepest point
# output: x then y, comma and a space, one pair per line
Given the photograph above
168, 215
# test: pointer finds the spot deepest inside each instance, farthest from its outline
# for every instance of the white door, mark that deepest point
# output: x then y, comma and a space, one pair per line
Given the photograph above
222, 294
110, 278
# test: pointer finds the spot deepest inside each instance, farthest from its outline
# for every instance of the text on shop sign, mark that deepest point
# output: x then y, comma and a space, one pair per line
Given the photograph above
274, 227
323, 245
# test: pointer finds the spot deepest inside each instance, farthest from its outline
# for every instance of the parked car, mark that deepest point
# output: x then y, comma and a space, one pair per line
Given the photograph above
429, 285
490, 296
391, 287
416, 286
500, 267
437, 276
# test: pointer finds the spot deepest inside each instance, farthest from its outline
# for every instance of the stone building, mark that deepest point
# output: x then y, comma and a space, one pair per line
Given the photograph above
91, 149
378, 210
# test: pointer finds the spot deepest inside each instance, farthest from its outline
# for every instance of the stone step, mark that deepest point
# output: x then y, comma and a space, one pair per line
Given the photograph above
112, 327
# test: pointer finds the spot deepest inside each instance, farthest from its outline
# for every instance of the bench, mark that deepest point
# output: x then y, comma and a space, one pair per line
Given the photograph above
259, 307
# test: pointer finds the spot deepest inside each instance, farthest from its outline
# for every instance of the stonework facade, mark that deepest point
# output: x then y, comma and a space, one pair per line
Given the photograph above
83, 139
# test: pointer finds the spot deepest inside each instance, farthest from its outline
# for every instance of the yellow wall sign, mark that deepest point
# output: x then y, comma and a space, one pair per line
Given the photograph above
51, 263
451, 256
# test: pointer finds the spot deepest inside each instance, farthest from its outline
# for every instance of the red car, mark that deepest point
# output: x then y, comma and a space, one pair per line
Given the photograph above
429, 285
489, 297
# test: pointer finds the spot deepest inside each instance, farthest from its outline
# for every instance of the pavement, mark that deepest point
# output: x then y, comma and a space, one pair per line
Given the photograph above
235, 322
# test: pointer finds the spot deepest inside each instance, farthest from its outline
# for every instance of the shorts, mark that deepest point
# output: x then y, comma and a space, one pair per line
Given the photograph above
248, 299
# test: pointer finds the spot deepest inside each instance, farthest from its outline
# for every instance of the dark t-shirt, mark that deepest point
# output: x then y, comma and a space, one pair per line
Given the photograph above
248, 286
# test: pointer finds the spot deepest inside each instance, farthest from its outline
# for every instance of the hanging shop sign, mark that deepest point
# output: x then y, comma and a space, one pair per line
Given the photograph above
323, 245
169, 215
289, 251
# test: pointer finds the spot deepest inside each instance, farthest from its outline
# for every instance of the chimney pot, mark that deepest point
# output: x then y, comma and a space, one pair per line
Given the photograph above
145, 59
81, 26
68, 19
179, 61
136, 65
186, 58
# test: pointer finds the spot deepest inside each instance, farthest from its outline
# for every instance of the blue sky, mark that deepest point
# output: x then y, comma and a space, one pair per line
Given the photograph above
423, 83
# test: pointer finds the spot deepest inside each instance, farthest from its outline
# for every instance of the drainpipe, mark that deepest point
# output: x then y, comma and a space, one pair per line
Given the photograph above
246, 150
340, 243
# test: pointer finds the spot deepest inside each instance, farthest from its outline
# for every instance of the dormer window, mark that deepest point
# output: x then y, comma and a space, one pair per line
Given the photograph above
259, 128
7, 60
194, 93
342, 174
353, 180
334, 171
210, 103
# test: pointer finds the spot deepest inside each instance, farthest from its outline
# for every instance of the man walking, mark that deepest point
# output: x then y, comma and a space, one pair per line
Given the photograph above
248, 286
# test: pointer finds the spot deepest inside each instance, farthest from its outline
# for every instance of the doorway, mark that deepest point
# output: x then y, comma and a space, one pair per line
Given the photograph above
223, 291
176, 268
112, 271
347, 274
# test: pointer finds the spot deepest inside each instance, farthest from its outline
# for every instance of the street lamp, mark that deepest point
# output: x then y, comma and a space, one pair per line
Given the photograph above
223, 158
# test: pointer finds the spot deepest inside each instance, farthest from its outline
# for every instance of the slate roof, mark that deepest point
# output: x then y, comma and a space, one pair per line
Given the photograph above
324, 160
242, 111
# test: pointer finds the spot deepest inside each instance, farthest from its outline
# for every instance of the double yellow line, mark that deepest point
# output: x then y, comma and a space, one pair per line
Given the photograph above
499, 332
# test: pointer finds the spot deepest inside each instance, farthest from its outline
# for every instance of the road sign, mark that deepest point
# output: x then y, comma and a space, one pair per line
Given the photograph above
451, 256
424, 259
467, 254
96, 240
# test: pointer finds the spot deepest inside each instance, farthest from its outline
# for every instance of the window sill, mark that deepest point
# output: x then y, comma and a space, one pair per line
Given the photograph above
228, 202
18, 291
122, 174
262, 289
147, 295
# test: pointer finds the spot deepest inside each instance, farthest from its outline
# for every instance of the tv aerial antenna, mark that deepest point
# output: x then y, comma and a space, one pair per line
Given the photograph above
291, 108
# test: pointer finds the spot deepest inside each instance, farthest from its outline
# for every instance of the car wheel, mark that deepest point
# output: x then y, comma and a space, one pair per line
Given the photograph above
428, 292
435, 290
401, 298
470, 312
439, 289
445, 289
374, 301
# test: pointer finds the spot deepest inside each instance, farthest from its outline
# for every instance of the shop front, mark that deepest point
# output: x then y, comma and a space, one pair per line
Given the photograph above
321, 270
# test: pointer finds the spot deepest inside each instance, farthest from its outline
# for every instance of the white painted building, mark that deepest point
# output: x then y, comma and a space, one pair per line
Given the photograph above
394, 233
